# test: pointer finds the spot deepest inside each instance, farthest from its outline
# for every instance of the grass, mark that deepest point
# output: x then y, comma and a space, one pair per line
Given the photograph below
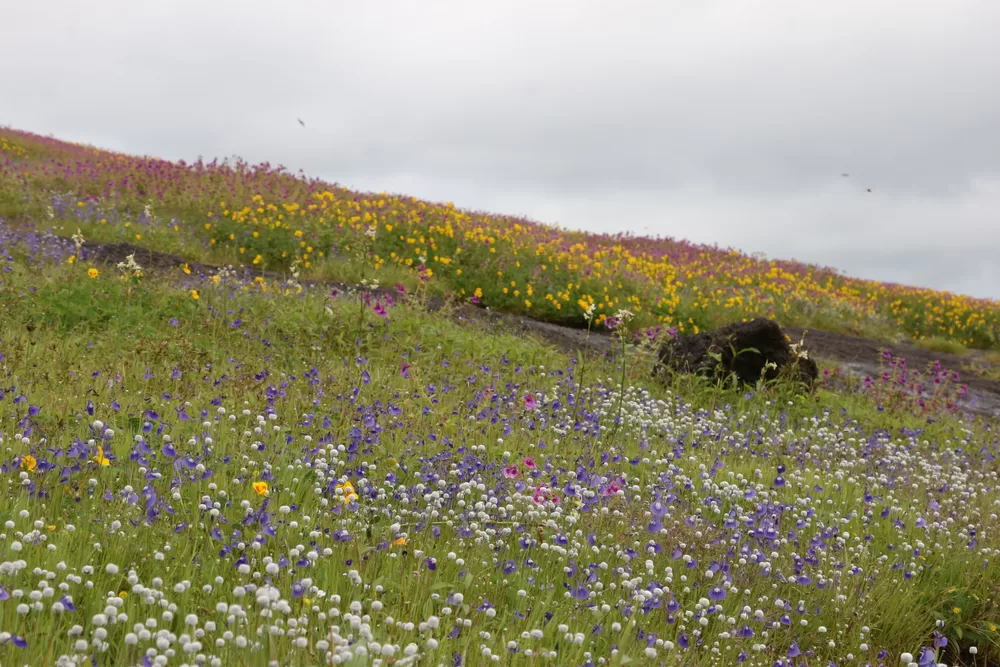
940, 344
205, 469
453, 475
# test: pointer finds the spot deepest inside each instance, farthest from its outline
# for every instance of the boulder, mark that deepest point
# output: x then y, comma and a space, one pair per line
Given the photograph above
750, 350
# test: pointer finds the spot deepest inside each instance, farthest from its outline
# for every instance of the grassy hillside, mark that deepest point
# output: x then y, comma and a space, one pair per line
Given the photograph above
217, 469
264, 217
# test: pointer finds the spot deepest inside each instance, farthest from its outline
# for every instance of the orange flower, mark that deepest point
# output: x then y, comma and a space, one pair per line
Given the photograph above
261, 488
28, 461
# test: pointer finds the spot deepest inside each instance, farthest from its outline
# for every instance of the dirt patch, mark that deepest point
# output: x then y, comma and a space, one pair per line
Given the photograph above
855, 355
861, 356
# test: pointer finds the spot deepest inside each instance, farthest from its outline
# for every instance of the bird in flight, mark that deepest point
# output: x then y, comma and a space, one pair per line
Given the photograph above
845, 175
300, 122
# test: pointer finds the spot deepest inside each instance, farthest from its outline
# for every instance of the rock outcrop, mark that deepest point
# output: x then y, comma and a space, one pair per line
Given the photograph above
749, 350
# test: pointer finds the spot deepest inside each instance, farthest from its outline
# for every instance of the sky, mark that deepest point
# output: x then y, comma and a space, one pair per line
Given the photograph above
720, 122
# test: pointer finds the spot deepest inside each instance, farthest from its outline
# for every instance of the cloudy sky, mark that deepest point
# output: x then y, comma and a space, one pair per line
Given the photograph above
718, 121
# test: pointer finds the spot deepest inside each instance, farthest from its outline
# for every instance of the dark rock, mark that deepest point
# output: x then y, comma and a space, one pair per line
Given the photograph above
741, 348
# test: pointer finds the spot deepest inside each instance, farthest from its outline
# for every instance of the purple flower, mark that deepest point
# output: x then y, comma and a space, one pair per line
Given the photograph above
717, 594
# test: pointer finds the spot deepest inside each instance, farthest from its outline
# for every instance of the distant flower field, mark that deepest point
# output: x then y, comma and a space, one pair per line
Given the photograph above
267, 218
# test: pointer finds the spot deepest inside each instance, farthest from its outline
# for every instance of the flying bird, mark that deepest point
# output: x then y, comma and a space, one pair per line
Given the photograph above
845, 175
869, 189
300, 122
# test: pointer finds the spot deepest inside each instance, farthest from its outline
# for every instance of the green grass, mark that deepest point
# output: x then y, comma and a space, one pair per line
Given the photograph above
940, 344
214, 389
147, 344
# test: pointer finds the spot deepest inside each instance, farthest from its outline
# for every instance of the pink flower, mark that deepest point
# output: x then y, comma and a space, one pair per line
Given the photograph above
404, 370
544, 493
379, 309
400, 288
529, 402
613, 488
511, 471
529, 463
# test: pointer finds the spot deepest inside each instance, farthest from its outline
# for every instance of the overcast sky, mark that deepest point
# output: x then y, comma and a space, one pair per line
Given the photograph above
724, 122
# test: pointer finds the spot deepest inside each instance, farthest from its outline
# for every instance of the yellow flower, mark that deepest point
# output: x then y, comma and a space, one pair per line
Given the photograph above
52, 527
348, 492
28, 461
101, 458
399, 542
194, 294
71, 259
478, 293
956, 610
260, 488
92, 272
186, 269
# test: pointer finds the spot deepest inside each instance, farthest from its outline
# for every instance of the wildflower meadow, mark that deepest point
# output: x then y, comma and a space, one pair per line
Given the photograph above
245, 466
264, 217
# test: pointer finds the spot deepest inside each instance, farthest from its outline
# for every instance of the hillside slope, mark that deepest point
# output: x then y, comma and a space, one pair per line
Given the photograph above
262, 216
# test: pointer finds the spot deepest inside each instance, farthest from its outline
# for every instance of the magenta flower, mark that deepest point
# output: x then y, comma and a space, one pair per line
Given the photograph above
529, 463
543, 493
529, 402
511, 471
